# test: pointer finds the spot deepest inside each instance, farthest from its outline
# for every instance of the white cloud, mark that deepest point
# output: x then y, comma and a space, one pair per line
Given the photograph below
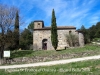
58, 5
68, 12
71, 12
78, 14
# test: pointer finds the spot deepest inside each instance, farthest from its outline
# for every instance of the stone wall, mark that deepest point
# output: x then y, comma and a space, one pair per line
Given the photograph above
34, 59
38, 25
40, 32
62, 40
81, 39
0, 61
39, 35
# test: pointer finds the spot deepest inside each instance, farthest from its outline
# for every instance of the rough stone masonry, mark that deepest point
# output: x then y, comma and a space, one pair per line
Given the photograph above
42, 36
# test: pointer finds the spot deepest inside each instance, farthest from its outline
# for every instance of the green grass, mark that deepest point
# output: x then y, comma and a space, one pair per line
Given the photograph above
30, 53
51, 55
91, 67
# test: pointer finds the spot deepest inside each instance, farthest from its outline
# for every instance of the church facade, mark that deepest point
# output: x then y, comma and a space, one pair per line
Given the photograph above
42, 36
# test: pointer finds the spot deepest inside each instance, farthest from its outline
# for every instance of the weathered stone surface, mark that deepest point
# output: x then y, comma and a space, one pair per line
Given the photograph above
40, 33
81, 39
0, 62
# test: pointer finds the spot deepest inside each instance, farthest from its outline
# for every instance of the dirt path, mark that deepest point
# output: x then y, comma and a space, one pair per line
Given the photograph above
51, 62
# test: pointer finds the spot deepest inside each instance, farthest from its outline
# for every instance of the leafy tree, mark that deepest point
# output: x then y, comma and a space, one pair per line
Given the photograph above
97, 28
31, 26
92, 31
54, 35
97, 34
10, 40
85, 33
26, 39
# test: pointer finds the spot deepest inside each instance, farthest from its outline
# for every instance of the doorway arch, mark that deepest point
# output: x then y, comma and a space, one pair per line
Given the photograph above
44, 44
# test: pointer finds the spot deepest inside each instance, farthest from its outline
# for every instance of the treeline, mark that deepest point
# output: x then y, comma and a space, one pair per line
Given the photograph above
10, 36
92, 33
19, 40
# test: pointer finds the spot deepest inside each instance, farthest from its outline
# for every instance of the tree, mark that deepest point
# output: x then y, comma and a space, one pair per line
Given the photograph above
72, 40
85, 33
54, 35
97, 34
92, 31
7, 15
10, 40
97, 28
31, 26
16, 31
26, 37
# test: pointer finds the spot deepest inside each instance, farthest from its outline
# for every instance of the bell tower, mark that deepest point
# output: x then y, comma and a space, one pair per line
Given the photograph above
38, 24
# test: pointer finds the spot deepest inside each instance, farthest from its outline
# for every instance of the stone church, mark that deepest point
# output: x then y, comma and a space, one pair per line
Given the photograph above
42, 36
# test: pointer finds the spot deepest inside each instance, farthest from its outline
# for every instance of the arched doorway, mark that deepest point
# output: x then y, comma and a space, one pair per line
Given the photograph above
44, 44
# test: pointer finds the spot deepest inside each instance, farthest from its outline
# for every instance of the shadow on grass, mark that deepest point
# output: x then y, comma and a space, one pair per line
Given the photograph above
22, 53
60, 49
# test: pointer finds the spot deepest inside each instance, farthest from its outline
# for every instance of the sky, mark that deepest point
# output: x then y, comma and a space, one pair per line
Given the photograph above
68, 12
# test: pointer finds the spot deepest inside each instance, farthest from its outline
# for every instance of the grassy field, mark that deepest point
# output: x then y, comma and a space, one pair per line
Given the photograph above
31, 53
91, 67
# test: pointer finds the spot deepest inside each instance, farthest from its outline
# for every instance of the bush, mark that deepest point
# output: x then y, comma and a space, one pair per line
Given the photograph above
72, 40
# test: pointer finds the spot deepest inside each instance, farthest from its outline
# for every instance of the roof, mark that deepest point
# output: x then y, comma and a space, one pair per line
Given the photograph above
59, 27
80, 31
66, 27
38, 21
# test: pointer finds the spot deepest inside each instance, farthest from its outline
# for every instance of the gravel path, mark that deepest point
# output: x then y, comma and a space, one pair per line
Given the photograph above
51, 62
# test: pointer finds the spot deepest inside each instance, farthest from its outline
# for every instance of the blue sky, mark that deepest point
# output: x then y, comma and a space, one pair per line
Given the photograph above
68, 12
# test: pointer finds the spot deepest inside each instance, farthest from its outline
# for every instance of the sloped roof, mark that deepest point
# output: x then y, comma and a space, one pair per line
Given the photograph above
59, 27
